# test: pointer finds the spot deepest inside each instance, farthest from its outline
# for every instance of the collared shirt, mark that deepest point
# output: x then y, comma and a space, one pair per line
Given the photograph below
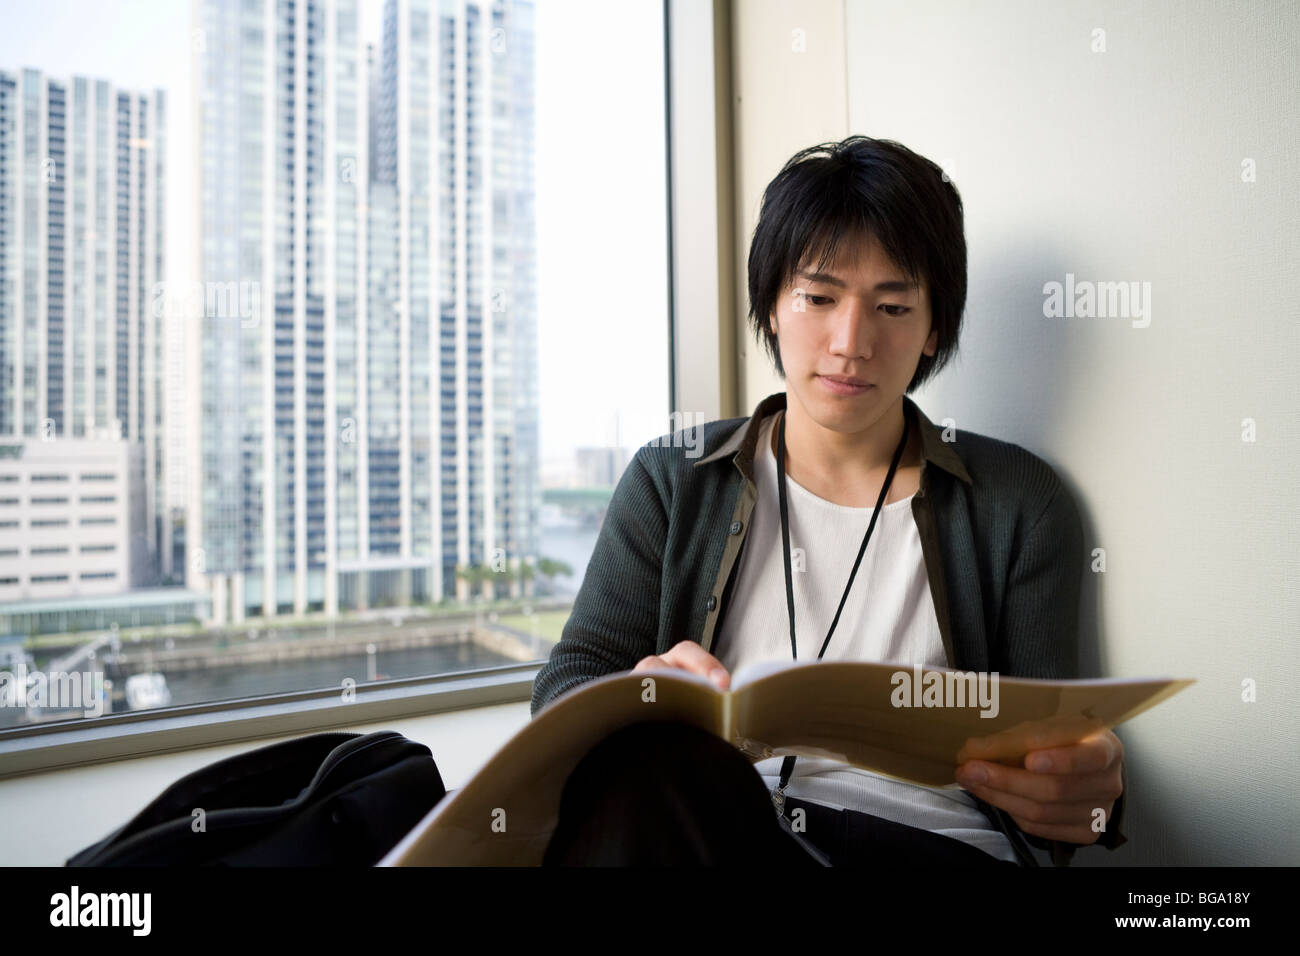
741, 447
1001, 538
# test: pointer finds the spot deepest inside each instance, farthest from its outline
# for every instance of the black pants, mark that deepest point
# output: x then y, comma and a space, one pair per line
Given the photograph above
668, 794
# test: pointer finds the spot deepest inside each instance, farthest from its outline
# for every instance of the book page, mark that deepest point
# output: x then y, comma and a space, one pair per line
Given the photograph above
918, 724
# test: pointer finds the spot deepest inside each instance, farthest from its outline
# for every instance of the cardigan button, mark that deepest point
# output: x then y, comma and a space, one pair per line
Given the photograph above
735, 527
713, 602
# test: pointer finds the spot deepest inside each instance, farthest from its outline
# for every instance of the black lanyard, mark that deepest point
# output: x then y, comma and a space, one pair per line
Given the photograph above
787, 765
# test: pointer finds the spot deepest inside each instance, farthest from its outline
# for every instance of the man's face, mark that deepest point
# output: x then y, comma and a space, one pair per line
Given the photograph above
854, 320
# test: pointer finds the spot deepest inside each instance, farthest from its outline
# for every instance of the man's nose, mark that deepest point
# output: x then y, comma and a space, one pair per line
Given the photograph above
852, 332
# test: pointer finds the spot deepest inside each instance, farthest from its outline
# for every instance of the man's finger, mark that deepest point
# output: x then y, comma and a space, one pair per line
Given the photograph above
1040, 787
1087, 756
690, 656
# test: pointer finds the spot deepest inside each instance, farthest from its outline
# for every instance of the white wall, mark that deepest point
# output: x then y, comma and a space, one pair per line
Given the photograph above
790, 92
1127, 165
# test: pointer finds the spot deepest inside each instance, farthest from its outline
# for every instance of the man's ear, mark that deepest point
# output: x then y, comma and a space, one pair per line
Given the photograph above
932, 343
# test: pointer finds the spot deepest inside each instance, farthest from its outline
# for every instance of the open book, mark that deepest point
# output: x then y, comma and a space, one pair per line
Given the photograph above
911, 723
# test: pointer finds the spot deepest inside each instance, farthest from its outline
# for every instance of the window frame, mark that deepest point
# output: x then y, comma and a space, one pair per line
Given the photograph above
78, 742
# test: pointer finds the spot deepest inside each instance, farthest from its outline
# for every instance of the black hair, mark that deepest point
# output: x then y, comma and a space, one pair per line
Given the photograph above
862, 186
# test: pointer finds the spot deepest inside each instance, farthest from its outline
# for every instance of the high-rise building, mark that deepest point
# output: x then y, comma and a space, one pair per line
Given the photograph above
369, 424
81, 256
280, 120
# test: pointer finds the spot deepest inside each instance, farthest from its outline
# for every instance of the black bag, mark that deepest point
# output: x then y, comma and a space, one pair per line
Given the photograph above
323, 800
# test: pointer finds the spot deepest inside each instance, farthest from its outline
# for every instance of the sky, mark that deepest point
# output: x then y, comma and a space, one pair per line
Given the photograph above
601, 184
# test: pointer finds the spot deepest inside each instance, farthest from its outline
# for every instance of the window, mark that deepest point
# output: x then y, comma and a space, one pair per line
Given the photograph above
480, 424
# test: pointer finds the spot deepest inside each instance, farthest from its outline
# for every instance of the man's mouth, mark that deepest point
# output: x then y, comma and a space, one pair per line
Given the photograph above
844, 384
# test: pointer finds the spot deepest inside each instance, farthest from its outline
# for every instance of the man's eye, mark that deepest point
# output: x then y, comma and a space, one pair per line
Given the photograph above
812, 298
902, 309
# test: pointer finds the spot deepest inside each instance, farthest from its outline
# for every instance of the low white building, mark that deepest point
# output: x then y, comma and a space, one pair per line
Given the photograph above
72, 518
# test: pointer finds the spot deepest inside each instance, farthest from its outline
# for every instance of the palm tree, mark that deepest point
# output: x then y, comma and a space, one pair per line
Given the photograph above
549, 568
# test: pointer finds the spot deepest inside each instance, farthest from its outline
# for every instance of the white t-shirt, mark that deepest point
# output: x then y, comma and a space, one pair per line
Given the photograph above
889, 616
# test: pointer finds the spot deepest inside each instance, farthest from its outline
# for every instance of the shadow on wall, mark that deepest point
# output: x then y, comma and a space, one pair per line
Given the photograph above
1026, 374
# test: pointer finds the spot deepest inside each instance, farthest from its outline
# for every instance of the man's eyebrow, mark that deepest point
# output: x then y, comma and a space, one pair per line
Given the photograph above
891, 285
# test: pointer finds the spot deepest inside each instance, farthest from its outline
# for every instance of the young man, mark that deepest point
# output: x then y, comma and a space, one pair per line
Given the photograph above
957, 550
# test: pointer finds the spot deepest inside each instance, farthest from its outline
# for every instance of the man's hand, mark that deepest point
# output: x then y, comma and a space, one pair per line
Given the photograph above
689, 656
1058, 799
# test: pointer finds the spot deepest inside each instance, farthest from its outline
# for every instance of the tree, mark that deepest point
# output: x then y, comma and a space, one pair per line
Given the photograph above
549, 568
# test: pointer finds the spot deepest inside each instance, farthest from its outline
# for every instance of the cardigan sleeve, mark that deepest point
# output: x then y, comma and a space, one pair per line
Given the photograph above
1038, 632
615, 617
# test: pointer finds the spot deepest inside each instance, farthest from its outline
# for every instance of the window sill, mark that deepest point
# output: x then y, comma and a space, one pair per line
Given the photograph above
33, 749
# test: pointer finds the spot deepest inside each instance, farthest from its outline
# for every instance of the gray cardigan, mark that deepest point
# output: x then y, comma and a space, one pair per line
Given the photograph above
1000, 534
